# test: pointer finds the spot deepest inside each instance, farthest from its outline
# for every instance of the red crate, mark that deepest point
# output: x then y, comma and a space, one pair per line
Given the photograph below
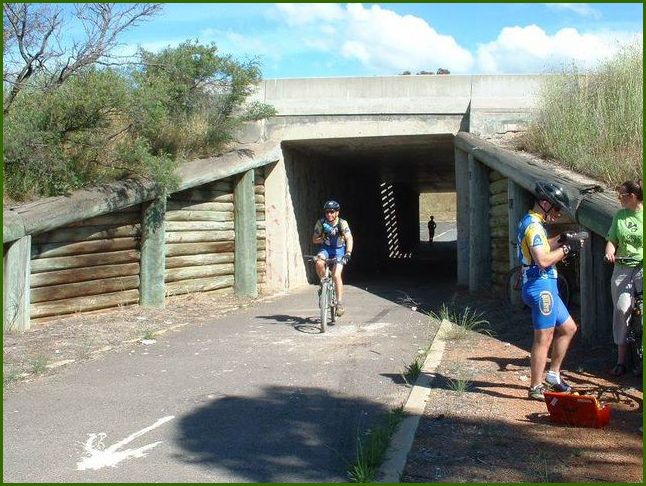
577, 410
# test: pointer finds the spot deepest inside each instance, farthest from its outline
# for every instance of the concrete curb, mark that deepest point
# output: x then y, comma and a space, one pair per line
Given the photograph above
402, 440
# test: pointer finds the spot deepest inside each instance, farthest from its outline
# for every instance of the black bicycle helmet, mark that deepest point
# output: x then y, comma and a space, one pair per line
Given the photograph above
331, 205
555, 195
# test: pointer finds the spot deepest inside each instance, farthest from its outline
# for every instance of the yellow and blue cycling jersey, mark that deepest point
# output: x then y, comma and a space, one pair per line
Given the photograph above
531, 233
336, 238
540, 291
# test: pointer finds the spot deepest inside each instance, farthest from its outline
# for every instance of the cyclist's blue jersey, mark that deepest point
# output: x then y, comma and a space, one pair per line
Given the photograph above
338, 239
531, 233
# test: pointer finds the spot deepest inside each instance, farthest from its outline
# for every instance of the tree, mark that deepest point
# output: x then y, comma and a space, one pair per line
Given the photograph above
34, 51
105, 123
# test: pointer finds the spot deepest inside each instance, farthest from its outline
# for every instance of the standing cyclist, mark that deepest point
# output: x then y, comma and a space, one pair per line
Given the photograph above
333, 234
538, 255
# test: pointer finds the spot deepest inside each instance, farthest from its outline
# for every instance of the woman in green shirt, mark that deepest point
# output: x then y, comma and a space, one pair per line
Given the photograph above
625, 249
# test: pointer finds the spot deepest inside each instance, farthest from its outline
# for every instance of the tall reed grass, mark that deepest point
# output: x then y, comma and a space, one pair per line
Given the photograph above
592, 121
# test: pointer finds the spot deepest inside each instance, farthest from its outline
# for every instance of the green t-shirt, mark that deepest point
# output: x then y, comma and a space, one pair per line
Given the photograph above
627, 233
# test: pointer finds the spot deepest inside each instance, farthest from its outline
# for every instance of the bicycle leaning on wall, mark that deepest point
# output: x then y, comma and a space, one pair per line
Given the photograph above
635, 322
326, 293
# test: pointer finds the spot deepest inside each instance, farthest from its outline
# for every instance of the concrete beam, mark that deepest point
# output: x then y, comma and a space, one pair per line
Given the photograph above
16, 285
245, 250
152, 288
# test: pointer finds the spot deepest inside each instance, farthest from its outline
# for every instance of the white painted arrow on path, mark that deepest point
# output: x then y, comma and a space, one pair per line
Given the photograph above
98, 456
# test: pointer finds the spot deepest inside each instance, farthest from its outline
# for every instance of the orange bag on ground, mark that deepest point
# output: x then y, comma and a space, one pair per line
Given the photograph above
577, 410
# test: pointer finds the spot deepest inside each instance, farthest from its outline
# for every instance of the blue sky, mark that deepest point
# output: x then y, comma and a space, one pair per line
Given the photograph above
340, 39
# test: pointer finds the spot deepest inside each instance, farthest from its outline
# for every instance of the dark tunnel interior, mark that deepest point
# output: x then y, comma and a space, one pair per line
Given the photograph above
377, 181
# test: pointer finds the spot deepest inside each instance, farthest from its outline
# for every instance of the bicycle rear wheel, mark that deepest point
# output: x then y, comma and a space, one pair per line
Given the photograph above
513, 285
564, 289
324, 299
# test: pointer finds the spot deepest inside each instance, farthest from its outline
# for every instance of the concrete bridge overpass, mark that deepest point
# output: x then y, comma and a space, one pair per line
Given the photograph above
374, 144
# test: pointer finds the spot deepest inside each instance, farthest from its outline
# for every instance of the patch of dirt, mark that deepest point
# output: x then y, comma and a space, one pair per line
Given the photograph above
493, 433
47, 347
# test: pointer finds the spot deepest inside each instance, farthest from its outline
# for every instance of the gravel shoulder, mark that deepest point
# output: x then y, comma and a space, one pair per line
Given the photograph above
492, 433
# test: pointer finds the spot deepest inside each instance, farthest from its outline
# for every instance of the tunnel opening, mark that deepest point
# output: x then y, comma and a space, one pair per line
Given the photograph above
378, 182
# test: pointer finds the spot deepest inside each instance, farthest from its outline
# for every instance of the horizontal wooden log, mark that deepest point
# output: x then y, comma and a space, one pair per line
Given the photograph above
87, 233
498, 186
83, 274
260, 225
172, 205
82, 247
180, 249
221, 185
91, 260
188, 216
261, 244
79, 289
186, 273
50, 213
82, 304
595, 211
112, 219
500, 210
201, 259
198, 285
172, 226
202, 196
495, 176
500, 198
259, 189
198, 236
262, 255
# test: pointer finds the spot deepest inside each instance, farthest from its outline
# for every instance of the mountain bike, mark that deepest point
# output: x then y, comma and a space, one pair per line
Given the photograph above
326, 293
635, 323
514, 284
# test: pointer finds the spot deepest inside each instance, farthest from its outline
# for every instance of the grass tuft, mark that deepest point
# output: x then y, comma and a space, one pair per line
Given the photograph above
372, 449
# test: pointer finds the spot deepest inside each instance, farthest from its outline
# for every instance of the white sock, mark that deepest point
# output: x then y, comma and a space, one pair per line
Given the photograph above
553, 377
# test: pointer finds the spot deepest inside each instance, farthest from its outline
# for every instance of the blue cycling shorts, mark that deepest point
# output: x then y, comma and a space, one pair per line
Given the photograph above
332, 252
542, 296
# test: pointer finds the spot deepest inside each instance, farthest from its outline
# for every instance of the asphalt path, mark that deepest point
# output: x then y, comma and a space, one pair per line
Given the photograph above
258, 395
445, 231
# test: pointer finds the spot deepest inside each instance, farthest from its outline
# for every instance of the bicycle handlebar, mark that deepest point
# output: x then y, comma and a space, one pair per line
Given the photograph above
313, 258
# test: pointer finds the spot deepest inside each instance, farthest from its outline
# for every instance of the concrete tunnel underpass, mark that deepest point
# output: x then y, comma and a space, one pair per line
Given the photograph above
378, 182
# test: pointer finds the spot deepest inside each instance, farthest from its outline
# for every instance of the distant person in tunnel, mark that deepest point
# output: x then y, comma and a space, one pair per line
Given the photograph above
335, 238
431, 229
538, 254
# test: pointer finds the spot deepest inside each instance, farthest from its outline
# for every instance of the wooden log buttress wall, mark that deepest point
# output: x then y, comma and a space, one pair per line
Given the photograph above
200, 239
88, 265
261, 245
499, 227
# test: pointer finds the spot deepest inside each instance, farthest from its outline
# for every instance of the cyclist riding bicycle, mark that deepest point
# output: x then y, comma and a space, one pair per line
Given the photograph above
538, 255
335, 238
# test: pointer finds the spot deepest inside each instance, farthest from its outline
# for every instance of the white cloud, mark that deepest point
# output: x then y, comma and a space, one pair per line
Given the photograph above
531, 50
583, 9
300, 14
382, 40
390, 43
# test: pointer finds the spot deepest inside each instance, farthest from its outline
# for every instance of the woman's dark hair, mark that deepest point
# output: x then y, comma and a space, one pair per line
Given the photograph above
631, 187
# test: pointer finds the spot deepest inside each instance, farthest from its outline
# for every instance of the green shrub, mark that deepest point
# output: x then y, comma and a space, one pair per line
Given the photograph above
105, 124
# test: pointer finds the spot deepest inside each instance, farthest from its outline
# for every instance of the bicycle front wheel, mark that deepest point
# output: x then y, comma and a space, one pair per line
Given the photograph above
332, 303
324, 302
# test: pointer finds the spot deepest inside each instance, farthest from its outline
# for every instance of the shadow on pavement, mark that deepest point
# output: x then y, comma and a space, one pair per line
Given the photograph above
285, 434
